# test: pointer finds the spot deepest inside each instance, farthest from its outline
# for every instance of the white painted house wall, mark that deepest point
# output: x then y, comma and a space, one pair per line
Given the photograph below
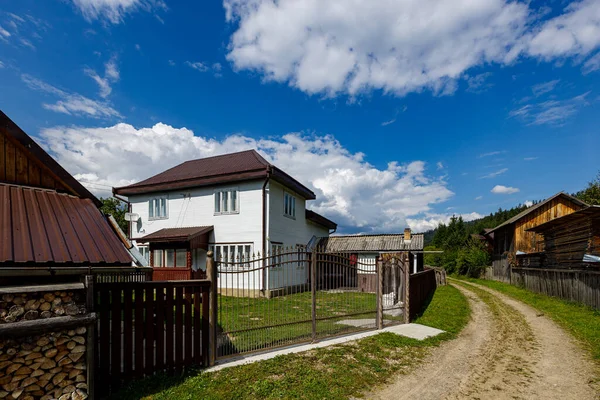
196, 207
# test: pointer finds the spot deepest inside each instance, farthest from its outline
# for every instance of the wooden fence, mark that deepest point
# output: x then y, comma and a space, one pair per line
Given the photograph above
573, 285
150, 327
421, 286
141, 275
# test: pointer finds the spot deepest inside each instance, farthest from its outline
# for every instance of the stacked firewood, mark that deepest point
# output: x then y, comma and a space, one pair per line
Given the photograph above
29, 306
49, 366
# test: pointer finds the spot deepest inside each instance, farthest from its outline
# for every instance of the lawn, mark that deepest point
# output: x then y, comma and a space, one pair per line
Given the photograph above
249, 324
581, 321
336, 372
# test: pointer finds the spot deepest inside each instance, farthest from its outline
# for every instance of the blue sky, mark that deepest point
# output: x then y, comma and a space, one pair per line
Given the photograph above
460, 99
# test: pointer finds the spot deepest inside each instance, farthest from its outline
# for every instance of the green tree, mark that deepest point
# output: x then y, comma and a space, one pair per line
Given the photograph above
117, 209
591, 194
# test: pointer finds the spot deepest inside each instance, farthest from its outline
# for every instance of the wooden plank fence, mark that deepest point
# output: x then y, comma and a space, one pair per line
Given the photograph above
138, 335
574, 285
421, 286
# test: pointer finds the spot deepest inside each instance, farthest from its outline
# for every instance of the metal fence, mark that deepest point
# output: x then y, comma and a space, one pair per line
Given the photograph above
293, 296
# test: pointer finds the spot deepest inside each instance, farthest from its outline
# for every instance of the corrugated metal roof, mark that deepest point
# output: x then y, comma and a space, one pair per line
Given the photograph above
240, 166
172, 234
536, 206
43, 226
371, 243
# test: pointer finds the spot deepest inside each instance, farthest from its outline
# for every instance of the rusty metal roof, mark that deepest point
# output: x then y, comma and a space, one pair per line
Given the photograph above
241, 166
43, 226
176, 234
371, 243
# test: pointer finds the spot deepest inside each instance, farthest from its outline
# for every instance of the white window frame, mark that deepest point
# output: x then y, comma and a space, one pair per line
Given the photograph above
226, 201
289, 205
145, 252
151, 202
233, 252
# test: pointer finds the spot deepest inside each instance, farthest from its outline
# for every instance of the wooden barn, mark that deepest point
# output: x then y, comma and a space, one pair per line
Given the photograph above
51, 227
572, 241
514, 239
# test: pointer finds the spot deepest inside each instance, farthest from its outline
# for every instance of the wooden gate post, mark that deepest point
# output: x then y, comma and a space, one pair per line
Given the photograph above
211, 274
90, 304
313, 290
379, 272
404, 260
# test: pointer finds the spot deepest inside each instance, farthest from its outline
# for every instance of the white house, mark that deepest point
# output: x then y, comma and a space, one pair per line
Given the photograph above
236, 205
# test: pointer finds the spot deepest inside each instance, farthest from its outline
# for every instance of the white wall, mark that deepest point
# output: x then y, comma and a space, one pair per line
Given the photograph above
367, 263
290, 232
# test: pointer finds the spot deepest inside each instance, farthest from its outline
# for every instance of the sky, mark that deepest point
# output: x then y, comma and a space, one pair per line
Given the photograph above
395, 114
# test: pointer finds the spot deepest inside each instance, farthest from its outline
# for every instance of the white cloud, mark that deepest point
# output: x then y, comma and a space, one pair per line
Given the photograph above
528, 203
491, 153
530, 158
478, 197
71, 103
216, 68
478, 83
114, 11
550, 112
4, 33
354, 193
494, 174
199, 66
111, 75
500, 189
389, 122
591, 65
138, 47
575, 32
545, 87
401, 47
171, 63
439, 165
431, 221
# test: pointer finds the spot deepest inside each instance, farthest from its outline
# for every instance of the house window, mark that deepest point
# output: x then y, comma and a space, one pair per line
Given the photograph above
226, 201
145, 252
157, 208
289, 205
170, 258
276, 251
231, 252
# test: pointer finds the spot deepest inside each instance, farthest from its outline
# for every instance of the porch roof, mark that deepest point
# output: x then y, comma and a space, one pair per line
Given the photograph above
186, 234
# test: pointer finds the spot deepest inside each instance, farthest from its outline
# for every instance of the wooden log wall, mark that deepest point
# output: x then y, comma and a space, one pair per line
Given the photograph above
529, 242
573, 285
567, 243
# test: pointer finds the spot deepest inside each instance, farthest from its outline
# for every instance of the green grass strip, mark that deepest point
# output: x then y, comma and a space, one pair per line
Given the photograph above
336, 372
581, 321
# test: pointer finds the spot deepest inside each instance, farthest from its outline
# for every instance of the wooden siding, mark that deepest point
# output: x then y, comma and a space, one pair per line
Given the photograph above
19, 167
530, 241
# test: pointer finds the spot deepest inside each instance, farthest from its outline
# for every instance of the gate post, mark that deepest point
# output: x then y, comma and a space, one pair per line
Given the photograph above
406, 270
211, 274
313, 290
379, 272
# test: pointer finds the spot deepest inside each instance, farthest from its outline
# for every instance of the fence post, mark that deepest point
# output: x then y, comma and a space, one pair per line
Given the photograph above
211, 274
91, 336
406, 269
379, 314
313, 290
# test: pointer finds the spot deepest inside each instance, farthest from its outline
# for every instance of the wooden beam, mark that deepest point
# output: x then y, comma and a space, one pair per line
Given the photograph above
37, 326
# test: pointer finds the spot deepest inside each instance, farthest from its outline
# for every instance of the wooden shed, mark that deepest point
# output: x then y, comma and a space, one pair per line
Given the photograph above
515, 237
572, 241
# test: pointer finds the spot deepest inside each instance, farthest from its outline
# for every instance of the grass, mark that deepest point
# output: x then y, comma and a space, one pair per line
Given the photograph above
581, 321
336, 372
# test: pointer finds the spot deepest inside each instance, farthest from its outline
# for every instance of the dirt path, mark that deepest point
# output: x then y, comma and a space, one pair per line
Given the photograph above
507, 351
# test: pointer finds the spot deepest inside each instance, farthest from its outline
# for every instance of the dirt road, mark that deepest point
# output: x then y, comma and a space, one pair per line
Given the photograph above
507, 351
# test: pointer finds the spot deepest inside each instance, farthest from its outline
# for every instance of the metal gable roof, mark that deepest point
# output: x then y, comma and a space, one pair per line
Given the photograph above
176, 234
372, 243
43, 226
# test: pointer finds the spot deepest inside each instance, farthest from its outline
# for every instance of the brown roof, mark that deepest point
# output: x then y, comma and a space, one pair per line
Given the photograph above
32, 150
176, 234
233, 167
43, 226
319, 219
372, 243
536, 206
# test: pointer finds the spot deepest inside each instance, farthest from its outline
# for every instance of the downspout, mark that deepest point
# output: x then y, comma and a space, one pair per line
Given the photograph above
264, 226
116, 196
333, 231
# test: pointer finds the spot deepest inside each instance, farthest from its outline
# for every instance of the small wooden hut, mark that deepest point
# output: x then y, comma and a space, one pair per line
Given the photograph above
572, 241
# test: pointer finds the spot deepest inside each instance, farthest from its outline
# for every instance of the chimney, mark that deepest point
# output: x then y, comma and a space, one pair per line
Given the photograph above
407, 234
